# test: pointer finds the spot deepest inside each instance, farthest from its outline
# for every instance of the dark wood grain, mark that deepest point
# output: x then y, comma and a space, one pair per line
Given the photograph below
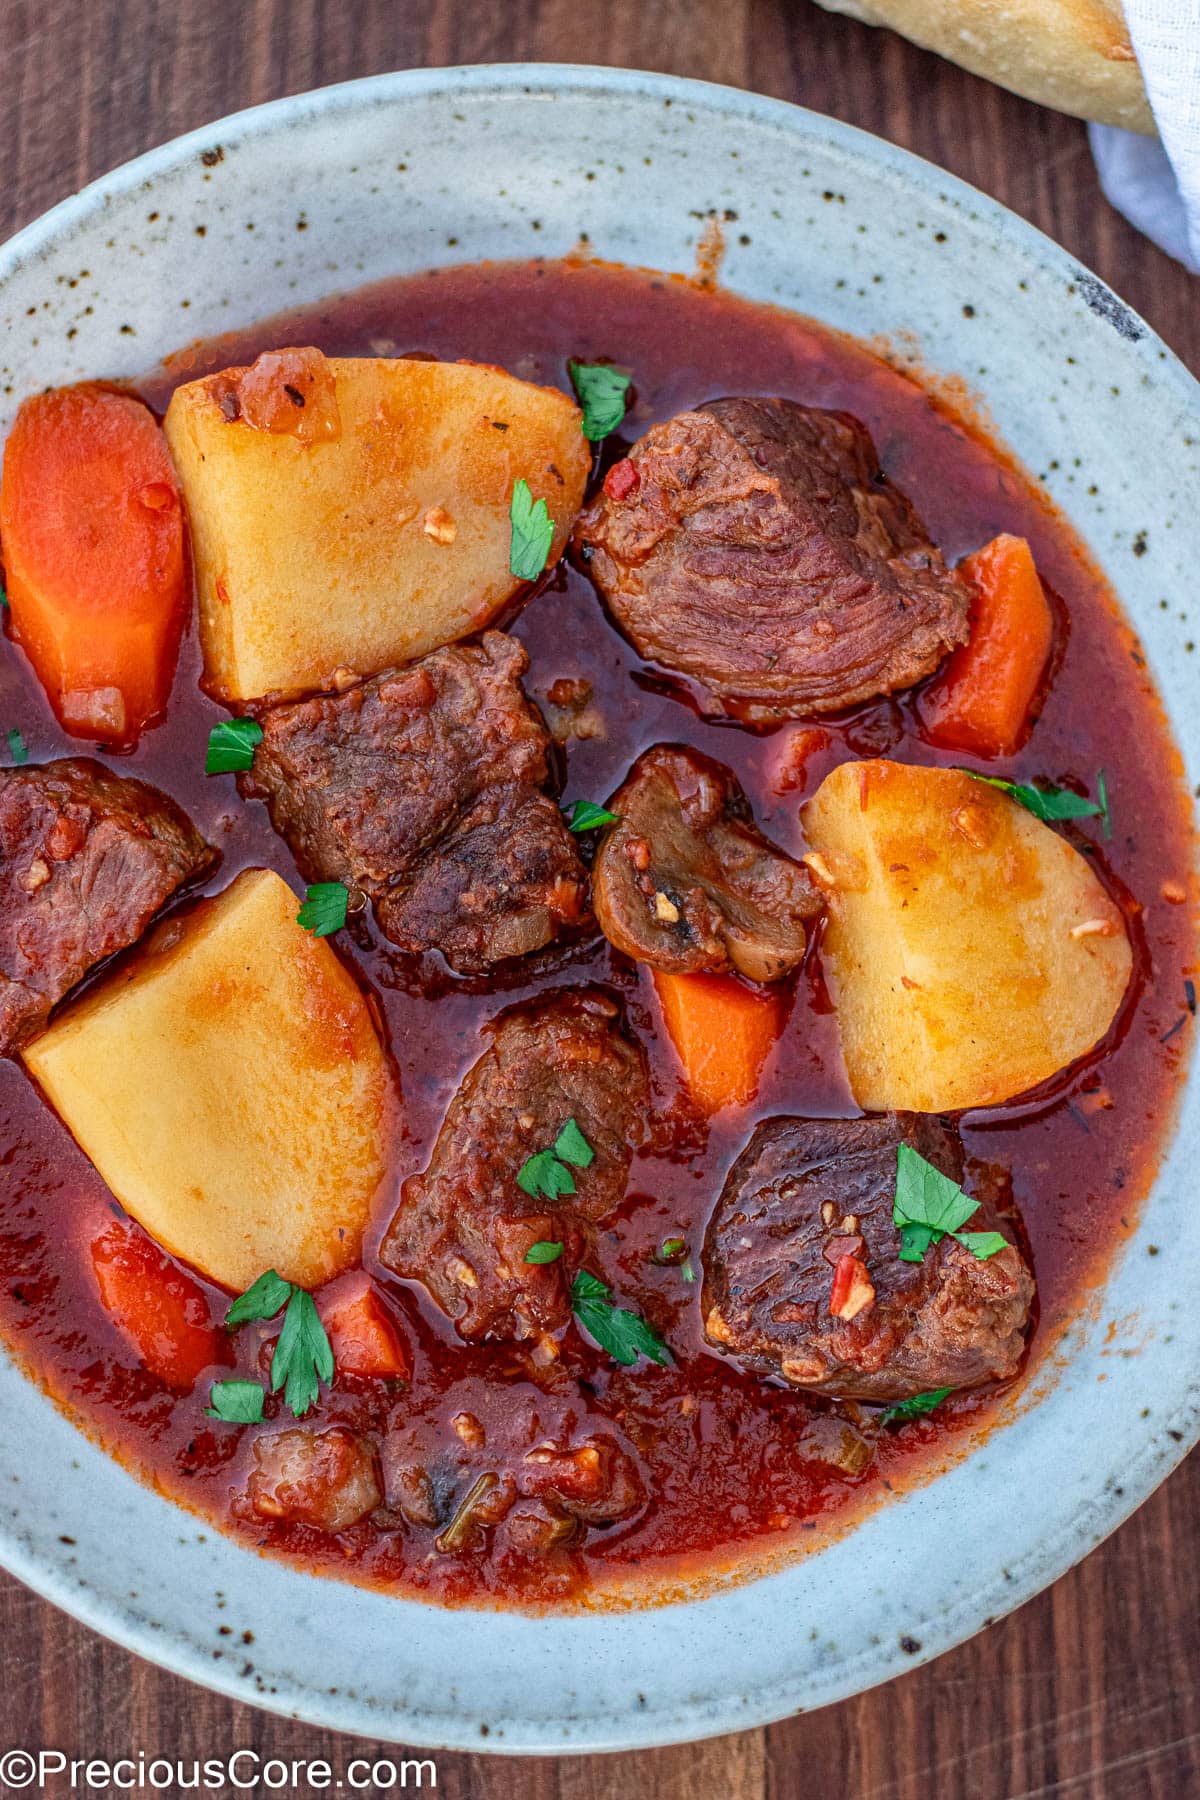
1090, 1692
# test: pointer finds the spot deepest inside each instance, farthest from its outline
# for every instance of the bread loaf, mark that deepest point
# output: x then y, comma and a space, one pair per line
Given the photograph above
1074, 55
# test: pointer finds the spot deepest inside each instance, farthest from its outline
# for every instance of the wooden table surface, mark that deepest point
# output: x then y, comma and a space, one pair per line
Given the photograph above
1092, 1690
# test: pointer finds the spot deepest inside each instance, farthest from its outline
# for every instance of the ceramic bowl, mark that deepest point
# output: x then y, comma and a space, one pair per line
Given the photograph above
320, 193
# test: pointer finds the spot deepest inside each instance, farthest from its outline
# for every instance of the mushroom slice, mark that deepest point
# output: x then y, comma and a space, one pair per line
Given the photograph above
685, 880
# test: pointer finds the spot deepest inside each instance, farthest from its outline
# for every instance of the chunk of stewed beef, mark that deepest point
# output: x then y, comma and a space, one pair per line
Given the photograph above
466, 1226
329, 1478
86, 860
803, 1277
687, 882
537, 1472
425, 788
756, 547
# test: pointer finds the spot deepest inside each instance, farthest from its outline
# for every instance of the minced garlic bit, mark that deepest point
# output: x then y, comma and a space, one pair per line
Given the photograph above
1174, 892
849, 1224
463, 1272
1094, 928
665, 909
819, 868
828, 1209
36, 876
469, 1429
438, 525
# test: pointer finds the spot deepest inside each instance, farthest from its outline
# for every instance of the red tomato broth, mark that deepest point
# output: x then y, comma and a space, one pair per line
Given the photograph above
722, 1454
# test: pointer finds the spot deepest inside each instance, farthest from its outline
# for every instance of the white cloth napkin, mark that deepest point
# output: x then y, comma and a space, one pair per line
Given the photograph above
1156, 183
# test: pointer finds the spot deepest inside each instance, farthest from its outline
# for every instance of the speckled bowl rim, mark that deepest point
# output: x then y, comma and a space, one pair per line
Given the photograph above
708, 1711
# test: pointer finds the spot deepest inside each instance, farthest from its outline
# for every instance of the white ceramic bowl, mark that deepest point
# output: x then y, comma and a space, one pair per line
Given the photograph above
410, 170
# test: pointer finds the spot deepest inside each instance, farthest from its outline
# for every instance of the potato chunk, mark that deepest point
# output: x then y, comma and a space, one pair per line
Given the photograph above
372, 524
970, 951
230, 1088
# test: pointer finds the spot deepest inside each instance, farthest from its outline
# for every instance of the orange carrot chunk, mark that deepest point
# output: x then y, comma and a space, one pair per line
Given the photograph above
981, 700
362, 1335
91, 529
723, 1033
162, 1310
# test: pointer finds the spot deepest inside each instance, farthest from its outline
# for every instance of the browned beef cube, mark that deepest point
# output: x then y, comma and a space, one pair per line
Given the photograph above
465, 1226
755, 546
86, 860
425, 788
807, 1192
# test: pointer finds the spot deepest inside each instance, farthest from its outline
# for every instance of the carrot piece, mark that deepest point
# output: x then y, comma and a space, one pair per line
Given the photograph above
722, 1033
364, 1339
981, 699
161, 1309
91, 527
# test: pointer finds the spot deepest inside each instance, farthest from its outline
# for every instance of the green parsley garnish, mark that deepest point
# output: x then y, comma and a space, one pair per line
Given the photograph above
587, 816
1105, 814
915, 1408
672, 1253
532, 533
324, 908
302, 1353
3, 598
1049, 804
624, 1335
571, 1146
546, 1173
929, 1206
545, 1252
231, 746
18, 749
542, 1173
603, 393
269, 1294
237, 1402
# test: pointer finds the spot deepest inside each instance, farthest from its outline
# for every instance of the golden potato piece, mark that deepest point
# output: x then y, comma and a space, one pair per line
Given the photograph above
970, 951
230, 1088
374, 525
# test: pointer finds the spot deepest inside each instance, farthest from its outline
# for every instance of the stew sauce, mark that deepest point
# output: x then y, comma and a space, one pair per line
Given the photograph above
736, 1471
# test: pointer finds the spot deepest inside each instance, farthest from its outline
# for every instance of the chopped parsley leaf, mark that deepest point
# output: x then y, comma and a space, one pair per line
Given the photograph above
324, 908
587, 816
1049, 804
269, 1295
542, 1173
302, 1351
672, 1253
603, 394
302, 1354
915, 1408
571, 1146
543, 1252
237, 1402
624, 1335
929, 1206
546, 1172
1105, 814
231, 746
18, 749
532, 533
